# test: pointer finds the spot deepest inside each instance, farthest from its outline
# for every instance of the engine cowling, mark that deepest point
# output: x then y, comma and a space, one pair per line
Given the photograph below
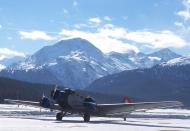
45, 102
89, 104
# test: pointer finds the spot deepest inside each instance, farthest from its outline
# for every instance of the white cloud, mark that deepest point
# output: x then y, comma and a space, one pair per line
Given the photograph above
125, 17
101, 39
185, 14
9, 38
2, 57
65, 11
89, 25
163, 39
75, 3
112, 31
0, 26
179, 24
9, 53
184, 24
36, 35
107, 18
111, 38
81, 25
78, 26
95, 20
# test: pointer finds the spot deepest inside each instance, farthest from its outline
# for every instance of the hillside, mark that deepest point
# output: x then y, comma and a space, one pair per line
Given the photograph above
14, 89
162, 82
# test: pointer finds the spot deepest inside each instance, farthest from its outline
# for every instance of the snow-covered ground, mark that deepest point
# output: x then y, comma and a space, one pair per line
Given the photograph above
22, 118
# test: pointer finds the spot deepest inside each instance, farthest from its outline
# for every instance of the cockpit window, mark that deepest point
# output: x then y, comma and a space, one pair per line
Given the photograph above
69, 91
89, 99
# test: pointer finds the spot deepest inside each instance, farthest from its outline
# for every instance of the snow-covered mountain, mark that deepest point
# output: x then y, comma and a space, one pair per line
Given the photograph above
76, 63
6, 62
177, 61
140, 60
164, 54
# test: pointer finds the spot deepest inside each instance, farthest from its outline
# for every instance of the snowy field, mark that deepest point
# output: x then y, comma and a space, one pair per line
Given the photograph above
14, 118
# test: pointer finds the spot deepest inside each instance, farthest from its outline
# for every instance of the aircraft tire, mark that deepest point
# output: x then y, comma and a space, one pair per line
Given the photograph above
59, 116
124, 118
86, 117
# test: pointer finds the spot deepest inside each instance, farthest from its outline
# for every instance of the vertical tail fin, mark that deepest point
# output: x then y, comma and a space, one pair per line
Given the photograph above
126, 99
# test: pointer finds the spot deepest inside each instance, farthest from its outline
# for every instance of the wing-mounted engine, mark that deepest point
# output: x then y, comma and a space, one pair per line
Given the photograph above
46, 103
89, 104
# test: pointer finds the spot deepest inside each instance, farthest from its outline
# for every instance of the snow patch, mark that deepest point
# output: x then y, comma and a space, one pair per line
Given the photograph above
27, 66
177, 61
2, 67
154, 58
52, 64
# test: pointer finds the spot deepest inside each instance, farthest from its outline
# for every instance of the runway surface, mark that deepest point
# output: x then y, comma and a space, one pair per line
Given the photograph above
22, 118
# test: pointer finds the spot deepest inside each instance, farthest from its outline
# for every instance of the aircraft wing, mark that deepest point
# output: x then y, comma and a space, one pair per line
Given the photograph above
126, 108
32, 103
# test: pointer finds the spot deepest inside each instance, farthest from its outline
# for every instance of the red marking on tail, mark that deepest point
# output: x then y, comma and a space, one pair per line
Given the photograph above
126, 99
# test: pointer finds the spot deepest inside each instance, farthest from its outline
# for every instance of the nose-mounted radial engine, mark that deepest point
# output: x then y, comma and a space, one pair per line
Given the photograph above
68, 99
61, 98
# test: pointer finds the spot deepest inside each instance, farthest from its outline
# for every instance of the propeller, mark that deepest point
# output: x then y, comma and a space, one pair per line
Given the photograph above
46, 102
55, 92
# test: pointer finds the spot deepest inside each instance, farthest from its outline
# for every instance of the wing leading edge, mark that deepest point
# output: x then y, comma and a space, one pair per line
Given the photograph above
119, 108
32, 103
111, 109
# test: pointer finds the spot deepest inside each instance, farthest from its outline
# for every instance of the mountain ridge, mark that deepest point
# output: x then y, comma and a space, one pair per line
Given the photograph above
76, 63
161, 82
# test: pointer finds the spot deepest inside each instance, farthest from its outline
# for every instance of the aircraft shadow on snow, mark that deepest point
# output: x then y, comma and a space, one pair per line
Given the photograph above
127, 123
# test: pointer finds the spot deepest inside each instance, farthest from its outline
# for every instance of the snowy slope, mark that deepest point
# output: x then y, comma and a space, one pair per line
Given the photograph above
177, 61
164, 55
140, 60
23, 118
2, 67
6, 62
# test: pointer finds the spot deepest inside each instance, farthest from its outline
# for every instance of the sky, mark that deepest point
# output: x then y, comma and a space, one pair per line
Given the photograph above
120, 26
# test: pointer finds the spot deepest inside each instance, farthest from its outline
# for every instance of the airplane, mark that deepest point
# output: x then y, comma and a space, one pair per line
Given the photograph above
68, 101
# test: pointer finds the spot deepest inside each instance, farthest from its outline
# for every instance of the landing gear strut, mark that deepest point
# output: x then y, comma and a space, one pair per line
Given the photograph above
125, 117
60, 115
86, 117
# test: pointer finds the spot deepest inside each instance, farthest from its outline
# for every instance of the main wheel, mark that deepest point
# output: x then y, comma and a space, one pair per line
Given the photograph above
59, 116
86, 117
124, 118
